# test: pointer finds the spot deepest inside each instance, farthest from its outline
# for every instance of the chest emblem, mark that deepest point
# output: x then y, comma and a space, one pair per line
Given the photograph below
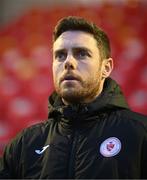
110, 147
37, 151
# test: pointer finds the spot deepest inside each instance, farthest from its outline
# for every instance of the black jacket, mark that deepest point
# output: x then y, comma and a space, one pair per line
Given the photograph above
103, 139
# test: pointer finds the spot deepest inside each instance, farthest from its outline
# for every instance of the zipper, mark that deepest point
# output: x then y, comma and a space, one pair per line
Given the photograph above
72, 156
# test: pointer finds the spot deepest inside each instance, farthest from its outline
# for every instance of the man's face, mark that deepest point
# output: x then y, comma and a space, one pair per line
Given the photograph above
77, 67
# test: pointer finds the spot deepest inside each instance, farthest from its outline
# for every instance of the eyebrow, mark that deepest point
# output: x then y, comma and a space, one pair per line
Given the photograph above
74, 48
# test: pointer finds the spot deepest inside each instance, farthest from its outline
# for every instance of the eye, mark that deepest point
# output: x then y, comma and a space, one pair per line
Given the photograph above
81, 54
60, 56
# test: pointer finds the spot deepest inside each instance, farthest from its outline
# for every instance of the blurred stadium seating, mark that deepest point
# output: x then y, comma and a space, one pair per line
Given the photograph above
25, 60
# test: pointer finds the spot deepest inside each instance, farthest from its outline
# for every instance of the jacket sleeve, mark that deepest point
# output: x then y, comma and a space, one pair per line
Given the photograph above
9, 162
5, 165
144, 158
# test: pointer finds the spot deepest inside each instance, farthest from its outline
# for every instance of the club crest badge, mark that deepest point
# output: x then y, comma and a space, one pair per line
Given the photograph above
110, 147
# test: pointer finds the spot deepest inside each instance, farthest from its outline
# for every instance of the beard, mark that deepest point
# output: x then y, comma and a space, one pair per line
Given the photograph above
83, 92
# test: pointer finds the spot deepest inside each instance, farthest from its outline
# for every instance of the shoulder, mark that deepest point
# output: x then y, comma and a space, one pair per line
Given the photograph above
133, 117
31, 134
25, 139
37, 129
19, 149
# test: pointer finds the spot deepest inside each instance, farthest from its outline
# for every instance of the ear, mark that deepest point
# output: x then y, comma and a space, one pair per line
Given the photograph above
107, 67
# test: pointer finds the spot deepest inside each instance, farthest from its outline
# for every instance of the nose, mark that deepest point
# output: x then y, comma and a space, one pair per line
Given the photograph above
70, 62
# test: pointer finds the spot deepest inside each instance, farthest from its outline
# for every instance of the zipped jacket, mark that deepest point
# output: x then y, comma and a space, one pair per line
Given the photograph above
100, 140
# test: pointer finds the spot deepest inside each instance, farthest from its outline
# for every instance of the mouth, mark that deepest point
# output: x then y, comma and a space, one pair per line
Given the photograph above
69, 78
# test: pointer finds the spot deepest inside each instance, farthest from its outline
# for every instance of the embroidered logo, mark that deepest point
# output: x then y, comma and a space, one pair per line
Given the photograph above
41, 151
110, 147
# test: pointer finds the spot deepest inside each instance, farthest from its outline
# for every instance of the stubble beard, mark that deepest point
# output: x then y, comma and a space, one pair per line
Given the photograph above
86, 93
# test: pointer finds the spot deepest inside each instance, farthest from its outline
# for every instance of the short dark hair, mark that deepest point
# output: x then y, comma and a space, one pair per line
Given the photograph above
77, 23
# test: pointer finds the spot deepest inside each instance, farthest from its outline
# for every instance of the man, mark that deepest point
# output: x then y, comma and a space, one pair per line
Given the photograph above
90, 133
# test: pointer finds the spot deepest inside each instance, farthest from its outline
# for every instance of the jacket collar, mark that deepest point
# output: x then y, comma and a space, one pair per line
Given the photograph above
110, 98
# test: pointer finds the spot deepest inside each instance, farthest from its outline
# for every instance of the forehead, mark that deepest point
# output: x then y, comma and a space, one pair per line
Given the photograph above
70, 39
